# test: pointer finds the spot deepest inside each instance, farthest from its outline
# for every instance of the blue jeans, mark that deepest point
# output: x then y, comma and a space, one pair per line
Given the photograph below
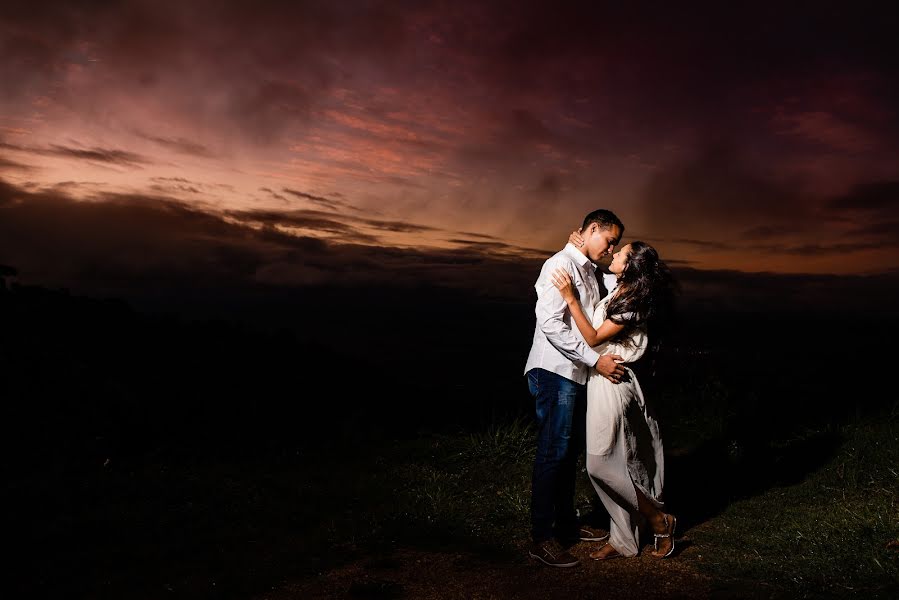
561, 411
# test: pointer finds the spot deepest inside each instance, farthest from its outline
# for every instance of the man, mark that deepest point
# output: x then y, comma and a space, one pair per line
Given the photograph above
557, 370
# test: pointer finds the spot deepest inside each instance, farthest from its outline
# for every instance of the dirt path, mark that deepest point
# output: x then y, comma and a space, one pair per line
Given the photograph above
425, 575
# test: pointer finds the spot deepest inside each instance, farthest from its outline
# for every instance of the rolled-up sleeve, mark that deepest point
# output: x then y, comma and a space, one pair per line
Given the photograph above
551, 309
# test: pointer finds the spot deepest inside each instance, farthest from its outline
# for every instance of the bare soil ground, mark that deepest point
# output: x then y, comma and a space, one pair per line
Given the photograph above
429, 575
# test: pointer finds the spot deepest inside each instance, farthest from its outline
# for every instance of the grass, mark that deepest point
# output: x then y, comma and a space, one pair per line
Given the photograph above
229, 528
833, 534
195, 527
470, 488
137, 469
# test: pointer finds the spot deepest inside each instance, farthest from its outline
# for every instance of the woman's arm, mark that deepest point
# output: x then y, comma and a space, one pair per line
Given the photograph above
593, 337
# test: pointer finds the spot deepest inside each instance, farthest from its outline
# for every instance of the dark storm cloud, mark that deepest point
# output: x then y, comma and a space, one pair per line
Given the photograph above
396, 226
524, 94
770, 293
112, 243
478, 235
68, 186
874, 210
328, 203
497, 247
327, 221
490, 243
102, 155
178, 185
879, 196
142, 246
7, 164
311, 220
886, 229
274, 194
173, 189
135, 245
14, 147
725, 203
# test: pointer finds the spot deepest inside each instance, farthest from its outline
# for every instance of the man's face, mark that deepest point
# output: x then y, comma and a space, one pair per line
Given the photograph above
599, 242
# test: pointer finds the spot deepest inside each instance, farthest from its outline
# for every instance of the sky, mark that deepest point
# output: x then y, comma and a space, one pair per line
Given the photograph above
302, 142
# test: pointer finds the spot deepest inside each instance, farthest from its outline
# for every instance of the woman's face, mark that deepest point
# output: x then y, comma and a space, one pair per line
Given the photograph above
619, 260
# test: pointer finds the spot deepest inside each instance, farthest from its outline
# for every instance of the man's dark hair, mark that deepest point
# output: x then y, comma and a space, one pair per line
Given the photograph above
604, 218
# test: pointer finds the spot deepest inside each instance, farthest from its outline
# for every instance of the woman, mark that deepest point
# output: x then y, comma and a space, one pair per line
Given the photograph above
624, 449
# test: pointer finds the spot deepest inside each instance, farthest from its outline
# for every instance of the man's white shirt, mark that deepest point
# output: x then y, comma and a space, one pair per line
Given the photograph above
558, 346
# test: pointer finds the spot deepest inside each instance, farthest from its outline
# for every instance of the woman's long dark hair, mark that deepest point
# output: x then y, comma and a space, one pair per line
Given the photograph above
645, 294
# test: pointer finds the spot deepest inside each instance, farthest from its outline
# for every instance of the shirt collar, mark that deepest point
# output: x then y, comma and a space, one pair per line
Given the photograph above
579, 257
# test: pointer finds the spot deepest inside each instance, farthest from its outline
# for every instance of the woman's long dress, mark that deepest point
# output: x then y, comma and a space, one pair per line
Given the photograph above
624, 448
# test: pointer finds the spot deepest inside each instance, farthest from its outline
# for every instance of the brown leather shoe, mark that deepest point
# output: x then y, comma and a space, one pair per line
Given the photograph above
592, 534
551, 553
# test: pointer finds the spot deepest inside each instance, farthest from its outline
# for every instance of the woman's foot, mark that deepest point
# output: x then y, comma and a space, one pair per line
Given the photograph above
607, 552
664, 537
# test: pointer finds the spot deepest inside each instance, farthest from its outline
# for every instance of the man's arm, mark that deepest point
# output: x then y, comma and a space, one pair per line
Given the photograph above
551, 307
550, 310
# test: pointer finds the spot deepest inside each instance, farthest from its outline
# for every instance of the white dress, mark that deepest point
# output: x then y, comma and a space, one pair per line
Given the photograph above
624, 448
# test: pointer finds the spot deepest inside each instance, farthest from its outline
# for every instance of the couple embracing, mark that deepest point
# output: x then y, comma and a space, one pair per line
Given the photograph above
590, 326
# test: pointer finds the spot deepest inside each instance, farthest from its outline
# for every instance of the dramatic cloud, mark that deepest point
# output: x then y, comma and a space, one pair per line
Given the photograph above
181, 145
135, 245
722, 207
328, 203
158, 250
120, 157
101, 155
771, 293
734, 136
881, 196
11, 165
717, 188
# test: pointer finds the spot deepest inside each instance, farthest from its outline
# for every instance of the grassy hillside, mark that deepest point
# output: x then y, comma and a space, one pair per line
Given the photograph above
149, 454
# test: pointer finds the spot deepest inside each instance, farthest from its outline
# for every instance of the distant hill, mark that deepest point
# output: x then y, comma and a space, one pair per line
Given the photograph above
86, 377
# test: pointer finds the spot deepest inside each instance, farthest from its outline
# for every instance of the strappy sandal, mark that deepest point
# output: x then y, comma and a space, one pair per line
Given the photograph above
669, 528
